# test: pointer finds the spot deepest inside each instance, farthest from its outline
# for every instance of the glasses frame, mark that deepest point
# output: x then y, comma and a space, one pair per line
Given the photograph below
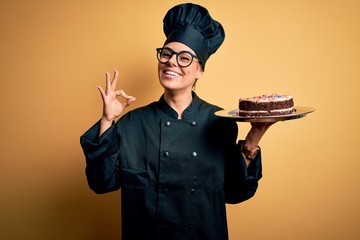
172, 52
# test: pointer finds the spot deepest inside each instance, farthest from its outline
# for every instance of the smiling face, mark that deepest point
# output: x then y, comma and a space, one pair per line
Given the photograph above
173, 77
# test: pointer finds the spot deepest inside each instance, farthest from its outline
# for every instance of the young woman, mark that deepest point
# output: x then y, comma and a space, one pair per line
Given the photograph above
176, 163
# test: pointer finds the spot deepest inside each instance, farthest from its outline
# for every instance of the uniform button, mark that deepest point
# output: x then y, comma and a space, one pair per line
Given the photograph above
166, 154
194, 154
164, 191
167, 123
192, 191
193, 123
190, 227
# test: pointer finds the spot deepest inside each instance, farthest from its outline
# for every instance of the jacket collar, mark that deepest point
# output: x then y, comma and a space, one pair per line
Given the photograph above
189, 113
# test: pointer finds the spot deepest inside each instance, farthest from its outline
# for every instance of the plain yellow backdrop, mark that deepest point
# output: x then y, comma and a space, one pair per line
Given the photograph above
53, 54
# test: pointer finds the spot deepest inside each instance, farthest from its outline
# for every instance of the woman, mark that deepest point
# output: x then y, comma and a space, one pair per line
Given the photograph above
176, 163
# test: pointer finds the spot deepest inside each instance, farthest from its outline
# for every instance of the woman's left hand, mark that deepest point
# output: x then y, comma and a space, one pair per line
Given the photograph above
256, 132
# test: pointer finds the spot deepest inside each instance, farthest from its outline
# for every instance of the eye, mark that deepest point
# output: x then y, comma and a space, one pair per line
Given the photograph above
166, 53
185, 57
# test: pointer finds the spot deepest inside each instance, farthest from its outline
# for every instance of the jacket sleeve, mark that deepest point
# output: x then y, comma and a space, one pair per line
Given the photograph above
101, 153
241, 182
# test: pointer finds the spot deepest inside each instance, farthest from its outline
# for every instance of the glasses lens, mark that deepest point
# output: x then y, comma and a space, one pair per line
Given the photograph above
184, 59
164, 55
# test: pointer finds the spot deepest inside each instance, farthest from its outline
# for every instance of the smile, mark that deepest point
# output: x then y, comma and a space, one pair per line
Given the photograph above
172, 73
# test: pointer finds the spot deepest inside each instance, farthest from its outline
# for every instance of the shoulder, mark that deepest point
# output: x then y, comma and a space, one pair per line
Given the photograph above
140, 113
136, 120
205, 105
209, 109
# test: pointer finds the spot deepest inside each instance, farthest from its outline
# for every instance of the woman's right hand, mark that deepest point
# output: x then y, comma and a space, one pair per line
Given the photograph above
112, 107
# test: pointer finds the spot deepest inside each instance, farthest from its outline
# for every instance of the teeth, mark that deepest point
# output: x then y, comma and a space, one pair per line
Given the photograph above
172, 73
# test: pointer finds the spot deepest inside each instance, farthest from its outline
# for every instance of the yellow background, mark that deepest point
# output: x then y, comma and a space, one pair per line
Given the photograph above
53, 54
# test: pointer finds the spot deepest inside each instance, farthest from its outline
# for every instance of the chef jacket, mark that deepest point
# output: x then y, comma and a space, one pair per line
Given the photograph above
175, 175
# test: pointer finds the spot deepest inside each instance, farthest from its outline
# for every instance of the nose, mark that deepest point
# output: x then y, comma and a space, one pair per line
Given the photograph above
173, 60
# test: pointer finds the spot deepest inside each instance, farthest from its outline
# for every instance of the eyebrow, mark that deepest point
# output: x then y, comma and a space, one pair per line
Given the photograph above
185, 50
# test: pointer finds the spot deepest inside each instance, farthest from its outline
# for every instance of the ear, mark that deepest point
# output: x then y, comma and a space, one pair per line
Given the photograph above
199, 72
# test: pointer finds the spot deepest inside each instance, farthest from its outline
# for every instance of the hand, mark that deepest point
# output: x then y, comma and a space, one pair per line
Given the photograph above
256, 132
112, 107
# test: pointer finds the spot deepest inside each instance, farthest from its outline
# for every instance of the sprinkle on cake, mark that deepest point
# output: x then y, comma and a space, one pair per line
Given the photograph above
266, 105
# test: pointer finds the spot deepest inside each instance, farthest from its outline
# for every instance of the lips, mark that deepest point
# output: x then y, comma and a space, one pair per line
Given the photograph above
172, 73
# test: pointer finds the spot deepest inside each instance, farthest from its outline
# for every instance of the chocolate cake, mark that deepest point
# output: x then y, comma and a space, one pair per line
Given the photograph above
266, 105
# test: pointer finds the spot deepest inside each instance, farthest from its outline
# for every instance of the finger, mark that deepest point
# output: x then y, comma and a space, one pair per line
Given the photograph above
271, 124
102, 92
118, 93
267, 125
108, 83
128, 102
124, 95
114, 81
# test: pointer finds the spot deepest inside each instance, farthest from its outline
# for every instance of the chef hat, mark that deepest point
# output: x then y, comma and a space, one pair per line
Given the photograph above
193, 26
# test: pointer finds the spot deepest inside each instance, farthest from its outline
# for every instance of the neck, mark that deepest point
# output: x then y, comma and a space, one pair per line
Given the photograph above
178, 101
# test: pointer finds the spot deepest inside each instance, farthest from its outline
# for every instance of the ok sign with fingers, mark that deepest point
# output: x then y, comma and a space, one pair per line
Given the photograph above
112, 107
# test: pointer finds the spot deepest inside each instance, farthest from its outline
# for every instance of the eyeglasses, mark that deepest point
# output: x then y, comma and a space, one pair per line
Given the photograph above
183, 58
